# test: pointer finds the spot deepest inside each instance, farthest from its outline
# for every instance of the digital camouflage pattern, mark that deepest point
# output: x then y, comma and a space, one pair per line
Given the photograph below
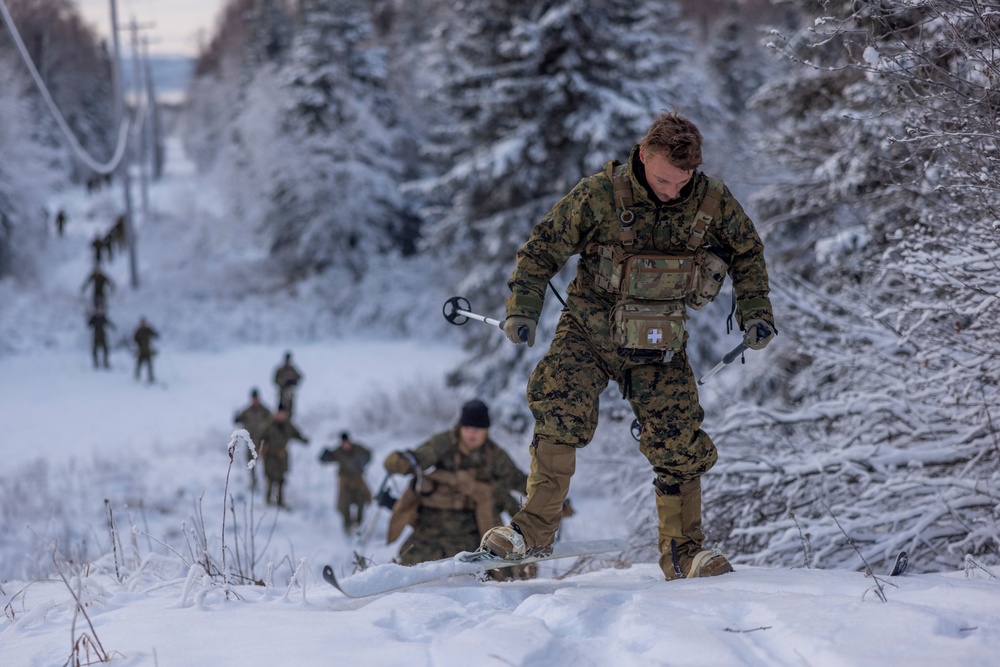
254, 418
143, 337
99, 322
564, 388
287, 378
452, 526
353, 490
274, 443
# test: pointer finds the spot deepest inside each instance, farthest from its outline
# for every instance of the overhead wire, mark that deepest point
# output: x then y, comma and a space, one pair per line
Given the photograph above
92, 163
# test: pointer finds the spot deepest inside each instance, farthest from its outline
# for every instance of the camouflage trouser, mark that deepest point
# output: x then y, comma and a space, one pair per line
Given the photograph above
563, 394
100, 345
440, 534
353, 492
275, 463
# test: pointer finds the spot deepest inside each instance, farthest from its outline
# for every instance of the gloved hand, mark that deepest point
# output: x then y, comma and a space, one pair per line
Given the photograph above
512, 324
400, 463
758, 334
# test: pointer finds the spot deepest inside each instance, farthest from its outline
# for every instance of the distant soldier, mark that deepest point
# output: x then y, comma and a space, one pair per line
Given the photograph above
99, 322
287, 378
455, 495
143, 337
60, 222
101, 284
274, 445
254, 418
354, 492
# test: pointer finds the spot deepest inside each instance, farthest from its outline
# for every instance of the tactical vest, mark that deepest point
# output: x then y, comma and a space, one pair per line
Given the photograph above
654, 289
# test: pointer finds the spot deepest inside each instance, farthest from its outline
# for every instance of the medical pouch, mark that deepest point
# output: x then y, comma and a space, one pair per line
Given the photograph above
657, 325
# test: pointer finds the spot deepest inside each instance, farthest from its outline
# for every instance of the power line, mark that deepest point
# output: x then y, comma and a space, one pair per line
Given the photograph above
91, 163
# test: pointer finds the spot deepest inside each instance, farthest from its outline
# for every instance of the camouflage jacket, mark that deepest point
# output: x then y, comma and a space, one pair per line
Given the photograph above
254, 419
352, 462
99, 324
144, 336
587, 217
100, 281
277, 434
491, 463
287, 376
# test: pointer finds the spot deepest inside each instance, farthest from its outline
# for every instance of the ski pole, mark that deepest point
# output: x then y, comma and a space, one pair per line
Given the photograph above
728, 359
456, 310
382, 498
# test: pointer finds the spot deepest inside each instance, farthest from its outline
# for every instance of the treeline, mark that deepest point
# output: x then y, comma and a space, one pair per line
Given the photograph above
350, 131
34, 159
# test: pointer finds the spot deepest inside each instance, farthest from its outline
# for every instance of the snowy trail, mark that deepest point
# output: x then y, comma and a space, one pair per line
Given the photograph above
73, 437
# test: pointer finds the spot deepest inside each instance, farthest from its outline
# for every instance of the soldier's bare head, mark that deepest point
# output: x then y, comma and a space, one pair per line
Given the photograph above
675, 138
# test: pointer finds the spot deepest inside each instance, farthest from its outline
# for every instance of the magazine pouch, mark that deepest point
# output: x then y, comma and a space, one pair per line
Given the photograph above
658, 277
708, 278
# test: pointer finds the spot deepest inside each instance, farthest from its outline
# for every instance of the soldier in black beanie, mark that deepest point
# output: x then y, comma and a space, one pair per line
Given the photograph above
451, 507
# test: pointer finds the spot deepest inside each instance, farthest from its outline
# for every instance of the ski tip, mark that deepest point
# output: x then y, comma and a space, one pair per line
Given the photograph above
899, 566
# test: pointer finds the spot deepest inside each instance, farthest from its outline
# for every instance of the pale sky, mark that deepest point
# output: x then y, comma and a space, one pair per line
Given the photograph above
174, 26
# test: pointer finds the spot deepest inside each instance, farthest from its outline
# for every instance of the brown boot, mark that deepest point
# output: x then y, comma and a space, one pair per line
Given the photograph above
680, 535
552, 467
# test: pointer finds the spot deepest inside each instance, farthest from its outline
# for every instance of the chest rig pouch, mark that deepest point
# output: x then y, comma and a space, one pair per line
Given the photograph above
655, 289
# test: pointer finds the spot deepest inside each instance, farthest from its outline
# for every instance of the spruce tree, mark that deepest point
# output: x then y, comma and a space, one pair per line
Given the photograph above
539, 95
886, 298
334, 199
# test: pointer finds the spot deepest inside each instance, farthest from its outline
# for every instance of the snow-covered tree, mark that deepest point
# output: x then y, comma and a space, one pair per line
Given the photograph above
878, 419
34, 157
539, 95
331, 183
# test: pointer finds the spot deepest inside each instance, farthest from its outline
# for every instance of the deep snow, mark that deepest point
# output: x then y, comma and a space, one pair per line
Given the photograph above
73, 438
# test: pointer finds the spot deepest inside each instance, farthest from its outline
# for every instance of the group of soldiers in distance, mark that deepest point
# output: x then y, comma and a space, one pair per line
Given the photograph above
461, 480
101, 286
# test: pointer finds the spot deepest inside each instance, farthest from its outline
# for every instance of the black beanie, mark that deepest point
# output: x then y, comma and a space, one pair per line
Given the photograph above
476, 414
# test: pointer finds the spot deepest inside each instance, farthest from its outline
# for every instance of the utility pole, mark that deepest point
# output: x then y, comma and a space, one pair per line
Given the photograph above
123, 168
137, 93
153, 138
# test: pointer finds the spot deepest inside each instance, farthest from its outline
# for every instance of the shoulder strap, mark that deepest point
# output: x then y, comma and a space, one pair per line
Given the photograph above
624, 201
708, 210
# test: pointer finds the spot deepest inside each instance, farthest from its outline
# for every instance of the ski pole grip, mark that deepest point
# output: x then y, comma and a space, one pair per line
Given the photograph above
522, 331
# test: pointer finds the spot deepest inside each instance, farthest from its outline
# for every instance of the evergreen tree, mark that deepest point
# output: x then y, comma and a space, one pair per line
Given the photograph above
539, 94
35, 159
334, 199
887, 300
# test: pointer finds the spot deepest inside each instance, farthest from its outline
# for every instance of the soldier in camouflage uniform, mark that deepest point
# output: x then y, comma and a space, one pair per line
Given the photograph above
287, 378
143, 338
274, 447
667, 194
99, 323
451, 507
102, 284
254, 418
352, 459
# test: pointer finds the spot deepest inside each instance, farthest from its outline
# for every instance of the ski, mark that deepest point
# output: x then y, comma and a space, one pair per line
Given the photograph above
391, 577
899, 566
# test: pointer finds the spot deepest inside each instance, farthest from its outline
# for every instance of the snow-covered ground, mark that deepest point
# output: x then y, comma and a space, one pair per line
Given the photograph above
89, 454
